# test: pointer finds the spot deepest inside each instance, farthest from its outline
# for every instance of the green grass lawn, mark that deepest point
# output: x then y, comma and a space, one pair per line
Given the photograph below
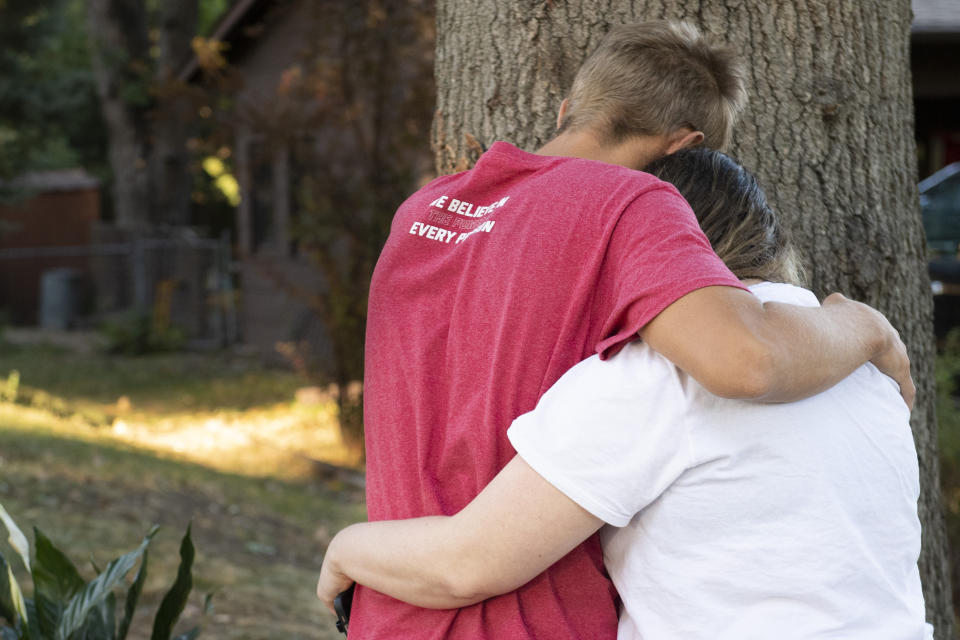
160, 384
259, 536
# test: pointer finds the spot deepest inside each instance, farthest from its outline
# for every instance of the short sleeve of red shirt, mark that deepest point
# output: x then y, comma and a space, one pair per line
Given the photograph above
657, 254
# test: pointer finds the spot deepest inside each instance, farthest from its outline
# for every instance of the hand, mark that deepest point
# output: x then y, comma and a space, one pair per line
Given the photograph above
332, 580
891, 358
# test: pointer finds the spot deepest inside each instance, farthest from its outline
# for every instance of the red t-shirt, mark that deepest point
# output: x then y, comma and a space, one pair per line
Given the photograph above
492, 284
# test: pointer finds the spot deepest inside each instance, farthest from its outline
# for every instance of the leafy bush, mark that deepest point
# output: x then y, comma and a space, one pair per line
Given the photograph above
138, 334
10, 387
65, 607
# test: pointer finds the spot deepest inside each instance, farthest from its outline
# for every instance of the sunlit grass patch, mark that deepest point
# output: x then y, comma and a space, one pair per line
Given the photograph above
282, 441
231, 414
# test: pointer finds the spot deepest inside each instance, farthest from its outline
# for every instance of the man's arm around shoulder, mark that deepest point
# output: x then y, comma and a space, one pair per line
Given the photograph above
738, 347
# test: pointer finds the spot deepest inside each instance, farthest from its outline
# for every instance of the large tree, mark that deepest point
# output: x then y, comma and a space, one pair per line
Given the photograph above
135, 49
828, 130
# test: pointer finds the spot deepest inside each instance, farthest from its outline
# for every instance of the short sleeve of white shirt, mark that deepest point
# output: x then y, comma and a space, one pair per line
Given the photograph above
610, 434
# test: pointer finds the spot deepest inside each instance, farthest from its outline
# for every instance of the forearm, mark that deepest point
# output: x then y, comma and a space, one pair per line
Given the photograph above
737, 347
810, 349
412, 560
518, 526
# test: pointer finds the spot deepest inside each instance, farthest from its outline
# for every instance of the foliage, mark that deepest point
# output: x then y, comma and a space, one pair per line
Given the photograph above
49, 117
138, 334
65, 607
210, 12
9, 389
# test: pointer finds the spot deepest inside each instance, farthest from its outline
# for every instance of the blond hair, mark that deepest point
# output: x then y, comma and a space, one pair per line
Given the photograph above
733, 212
653, 78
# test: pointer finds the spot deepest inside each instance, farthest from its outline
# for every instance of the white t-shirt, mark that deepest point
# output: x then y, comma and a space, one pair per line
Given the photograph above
733, 519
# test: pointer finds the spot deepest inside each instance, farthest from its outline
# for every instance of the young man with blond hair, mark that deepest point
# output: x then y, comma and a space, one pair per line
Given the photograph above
497, 280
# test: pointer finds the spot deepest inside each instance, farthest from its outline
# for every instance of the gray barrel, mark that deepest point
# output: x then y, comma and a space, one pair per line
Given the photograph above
59, 298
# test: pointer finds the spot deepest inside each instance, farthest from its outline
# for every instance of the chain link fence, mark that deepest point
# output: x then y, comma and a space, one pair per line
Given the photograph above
180, 279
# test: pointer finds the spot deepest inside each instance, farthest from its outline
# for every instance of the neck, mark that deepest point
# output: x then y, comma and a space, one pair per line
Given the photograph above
635, 153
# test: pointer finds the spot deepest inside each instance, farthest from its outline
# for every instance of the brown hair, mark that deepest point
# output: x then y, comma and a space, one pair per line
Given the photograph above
656, 77
733, 212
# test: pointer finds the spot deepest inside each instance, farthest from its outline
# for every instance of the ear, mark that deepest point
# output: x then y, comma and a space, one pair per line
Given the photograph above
563, 111
684, 139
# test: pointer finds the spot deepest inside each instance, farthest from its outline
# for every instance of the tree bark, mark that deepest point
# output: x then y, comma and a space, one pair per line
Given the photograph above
119, 51
171, 178
828, 131
147, 112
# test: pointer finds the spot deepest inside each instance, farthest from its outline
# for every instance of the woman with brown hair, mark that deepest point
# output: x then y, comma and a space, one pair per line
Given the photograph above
724, 518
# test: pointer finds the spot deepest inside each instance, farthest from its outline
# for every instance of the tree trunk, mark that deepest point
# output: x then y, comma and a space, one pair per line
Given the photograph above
828, 131
171, 178
147, 112
119, 50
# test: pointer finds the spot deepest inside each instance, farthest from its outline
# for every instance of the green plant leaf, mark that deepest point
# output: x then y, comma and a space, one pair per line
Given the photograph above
176, 598
7, 607
32, 628
98, 589
13, 598
133, 596
100, 622
17, 540
48, 614
110, 607
55, 581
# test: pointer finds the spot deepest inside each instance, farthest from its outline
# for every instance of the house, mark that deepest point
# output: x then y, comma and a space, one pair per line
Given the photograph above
935, 62
263, 38
62, 267
45, 227
293, 59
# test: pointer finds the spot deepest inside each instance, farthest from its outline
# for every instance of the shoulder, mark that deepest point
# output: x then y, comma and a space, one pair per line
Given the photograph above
609, 434
589, 184
615, 178
636, 374
631, 203
786, 293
